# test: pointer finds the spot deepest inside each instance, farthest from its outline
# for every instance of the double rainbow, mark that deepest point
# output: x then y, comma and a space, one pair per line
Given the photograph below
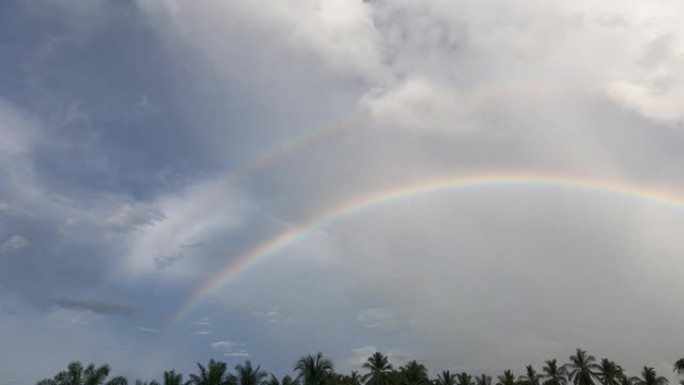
276, 245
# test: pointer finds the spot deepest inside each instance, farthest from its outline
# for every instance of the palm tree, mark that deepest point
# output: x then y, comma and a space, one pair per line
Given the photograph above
507, 378
77, 375
413, 373
531, 378
379, 368
344, 379
446, 378
464, 378
93, 375
173, 378
355, 378
609, 372
624, 380
649, 377
333, 378
247, 375
141, 382
313, 369
483, 379
679, 366
73, 374
553, 374
287, 380
213, 374
582, 368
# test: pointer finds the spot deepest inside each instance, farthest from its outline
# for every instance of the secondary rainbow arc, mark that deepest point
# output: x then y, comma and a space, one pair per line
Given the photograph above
290, 237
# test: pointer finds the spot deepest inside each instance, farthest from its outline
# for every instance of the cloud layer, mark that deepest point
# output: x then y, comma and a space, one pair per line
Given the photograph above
148, 148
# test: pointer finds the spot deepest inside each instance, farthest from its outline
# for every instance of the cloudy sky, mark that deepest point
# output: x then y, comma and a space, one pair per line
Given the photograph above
147, 145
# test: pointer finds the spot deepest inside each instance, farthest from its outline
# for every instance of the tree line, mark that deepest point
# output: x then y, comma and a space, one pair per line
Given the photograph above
315, 369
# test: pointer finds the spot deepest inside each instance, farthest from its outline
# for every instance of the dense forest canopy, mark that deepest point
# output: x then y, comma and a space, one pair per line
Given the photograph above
315, 369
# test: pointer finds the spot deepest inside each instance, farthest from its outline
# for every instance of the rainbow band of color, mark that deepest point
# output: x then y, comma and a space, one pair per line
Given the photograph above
274, 246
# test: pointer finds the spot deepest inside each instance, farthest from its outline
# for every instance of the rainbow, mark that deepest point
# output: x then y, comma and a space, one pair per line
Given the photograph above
172, 226
271, 247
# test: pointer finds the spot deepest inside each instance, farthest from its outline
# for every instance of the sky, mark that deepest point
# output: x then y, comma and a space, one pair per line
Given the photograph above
478, 185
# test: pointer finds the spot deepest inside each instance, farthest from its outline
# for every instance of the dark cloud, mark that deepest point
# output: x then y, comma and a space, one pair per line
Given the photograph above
98, 306
164, 261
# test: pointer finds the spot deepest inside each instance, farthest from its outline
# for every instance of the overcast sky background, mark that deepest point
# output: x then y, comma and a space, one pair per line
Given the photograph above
121, 120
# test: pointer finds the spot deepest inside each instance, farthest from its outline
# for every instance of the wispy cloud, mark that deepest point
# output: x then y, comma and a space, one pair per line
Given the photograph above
229, 349
204, 321
275, 316
145, 108
378, 318
12, 211
147, 329
129, 217
164, 261
97, 306
14, 243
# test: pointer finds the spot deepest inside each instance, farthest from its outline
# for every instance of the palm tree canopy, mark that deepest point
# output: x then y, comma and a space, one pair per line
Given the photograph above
446, 378
531, 377
553, 374
313, 369
582, 368
379, 368
609, 372
123, 381
413, 373
173, 378
93, 375
483, 379
213, 374
507, 378
649, 377
625, 380
248, 375
464, 378
679, 366
76, 374
140, 382
287, 380
354, 378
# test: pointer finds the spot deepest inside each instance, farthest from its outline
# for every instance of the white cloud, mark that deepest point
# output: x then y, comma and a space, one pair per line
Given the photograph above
14, 243
199, 214
342, 33
129, 217
378, 318
12, 211
275, 316
229, 349
71, 318
147, 329
204, 321
416, 104
658, 103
